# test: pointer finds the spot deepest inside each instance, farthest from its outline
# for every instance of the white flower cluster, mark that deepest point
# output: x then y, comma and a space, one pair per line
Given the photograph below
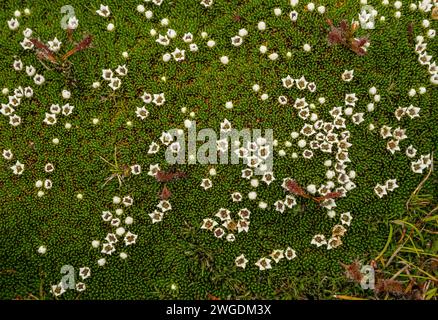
59, 289
14, 101
382, 190
276, 255
114, 81
223, 216
157, 215
115, 221
426, 59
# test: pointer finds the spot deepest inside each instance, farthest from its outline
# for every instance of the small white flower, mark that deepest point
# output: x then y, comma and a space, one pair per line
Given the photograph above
13, 24
206, 3
264, 264
26, 44
156, 216
101, 262
348, 75
277, 255
241, 261
72, 23
115, 83
178, 55
318, 240
7, 154
57, 289
14, 120
411, 151
84, 272
261, 25
104, 11
130, 238
206, 184
290, 253
193, 47
42, 249
54, 45
67, 109
346, 218
208, 224
122, 70
142, 113
80, 286
18, 168
38, 79
293, 15
159, 99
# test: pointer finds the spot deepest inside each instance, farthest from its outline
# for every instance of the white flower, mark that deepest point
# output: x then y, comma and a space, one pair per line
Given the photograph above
318, 240
42, 249
164, 205
411, 151
277, 255
7, 154
348, 75
115, 83
159, 99
136, 169
424, 58
123, 255
26, 44
244, 213
13, 24
80, 286
171, 33
290, 201
130, 238
391, 184
54, 45
122, 70
288, 82
301, 83
153, 169
48, 184
142, 113
224, 60
206, 184
357, 118
264, 264
236, 196
219, 232
14, 120
279, 206
346, 218
208, 224
392, 146
334, 242
101, 262
241, 261
84, 272
73, 23
127, 201
157, 2
350, 99
163, 40
153, 148
223, 214
178, 55
243, 225
18, 168
261, 25
156, 216
188, 37
108, 248
104, 11
7, 110
413, 112
206, 3
293, 15
57, 289
290, 253
307, 47
385, 132
67, 109
193, 47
